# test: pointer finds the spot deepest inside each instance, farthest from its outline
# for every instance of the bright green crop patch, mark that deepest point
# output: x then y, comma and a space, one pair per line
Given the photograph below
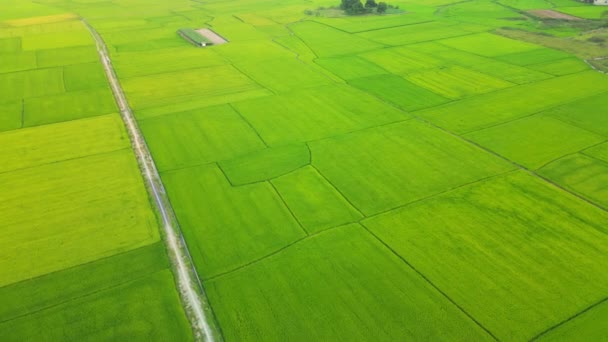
581, 174
31, 83
83, 76
314, 201
516, 253
68, 106
296, 45
533, 56
511, 103
350, 67
35, 146
91, 207
326, 41
66, 56
227, 226
284, 74
535, 141
401, 61
315, 113
198, 137
561, 67
589, 11
590, 326
389, 166
489, 45
10, 45
252, 51
414, 33
600, 152
162, 89
142, 310
587, 113
399, 91
265, 164
10, 115
339, 284
52, 289
456, 82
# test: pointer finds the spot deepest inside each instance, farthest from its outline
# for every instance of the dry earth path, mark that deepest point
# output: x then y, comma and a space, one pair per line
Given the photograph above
190, 287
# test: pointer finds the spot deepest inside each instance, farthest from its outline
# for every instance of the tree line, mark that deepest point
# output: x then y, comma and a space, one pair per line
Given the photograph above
355, 7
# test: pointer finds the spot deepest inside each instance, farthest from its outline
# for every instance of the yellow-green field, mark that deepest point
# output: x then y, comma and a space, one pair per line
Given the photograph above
416, 175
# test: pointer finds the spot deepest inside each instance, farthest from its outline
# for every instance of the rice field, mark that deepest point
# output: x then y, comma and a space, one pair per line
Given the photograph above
406, 176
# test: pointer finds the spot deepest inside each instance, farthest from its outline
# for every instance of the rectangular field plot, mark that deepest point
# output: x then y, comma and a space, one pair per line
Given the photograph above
228, 227
84, 76
31, 83
168, 88
339, 284
590, 326
35, 146
66, 56
314, 201
68, 106
252, 51
10, 45
198, 137
456, 82
10, 115
486, 65
144, 309
561, 67
68, 213
401, 61
535, 141
542, 55
357, 24
284, 74
350, 67
56, 40
326, 41
399, 92
587, 113
490, 109
382, 168
316, 113
581, 174
17, 61
414, 33
516, 253
489, 45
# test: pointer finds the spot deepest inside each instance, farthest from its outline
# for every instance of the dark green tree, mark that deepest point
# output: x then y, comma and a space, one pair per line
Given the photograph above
370, 4
382, 6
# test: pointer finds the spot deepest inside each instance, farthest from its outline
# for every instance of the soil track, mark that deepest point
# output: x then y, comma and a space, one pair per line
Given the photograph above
201, 316
550, 14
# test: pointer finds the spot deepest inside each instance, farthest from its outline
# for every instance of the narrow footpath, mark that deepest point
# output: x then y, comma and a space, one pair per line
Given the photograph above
190, 288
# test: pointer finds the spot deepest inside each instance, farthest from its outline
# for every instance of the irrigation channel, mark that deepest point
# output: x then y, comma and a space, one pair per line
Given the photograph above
190, 287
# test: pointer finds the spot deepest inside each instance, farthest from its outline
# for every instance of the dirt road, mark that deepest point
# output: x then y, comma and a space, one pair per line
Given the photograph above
190, 287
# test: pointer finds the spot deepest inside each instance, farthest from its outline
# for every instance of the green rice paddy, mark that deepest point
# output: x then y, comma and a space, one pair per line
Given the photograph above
411, 176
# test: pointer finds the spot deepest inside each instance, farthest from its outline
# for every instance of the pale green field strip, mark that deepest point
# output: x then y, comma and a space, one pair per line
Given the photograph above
163, 89
18, 61
79, 204
399, 91
512, 103
252, 51
31, 83
589, 326
341, 284
40, 293
589, 11
296, 45
315, 114
402, 61
527, 4
600, 152
84, 76
54, 40
31, 147
68, 106
10, 45
228, 227
151, 45
534, 141
409, 155
326, 41
517, 282
266, 164
486, 65
587, 113
580, 174
272, 75
542, 55
357, 24
314, 201
66, 56
142, 310
199, 137
456, 82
